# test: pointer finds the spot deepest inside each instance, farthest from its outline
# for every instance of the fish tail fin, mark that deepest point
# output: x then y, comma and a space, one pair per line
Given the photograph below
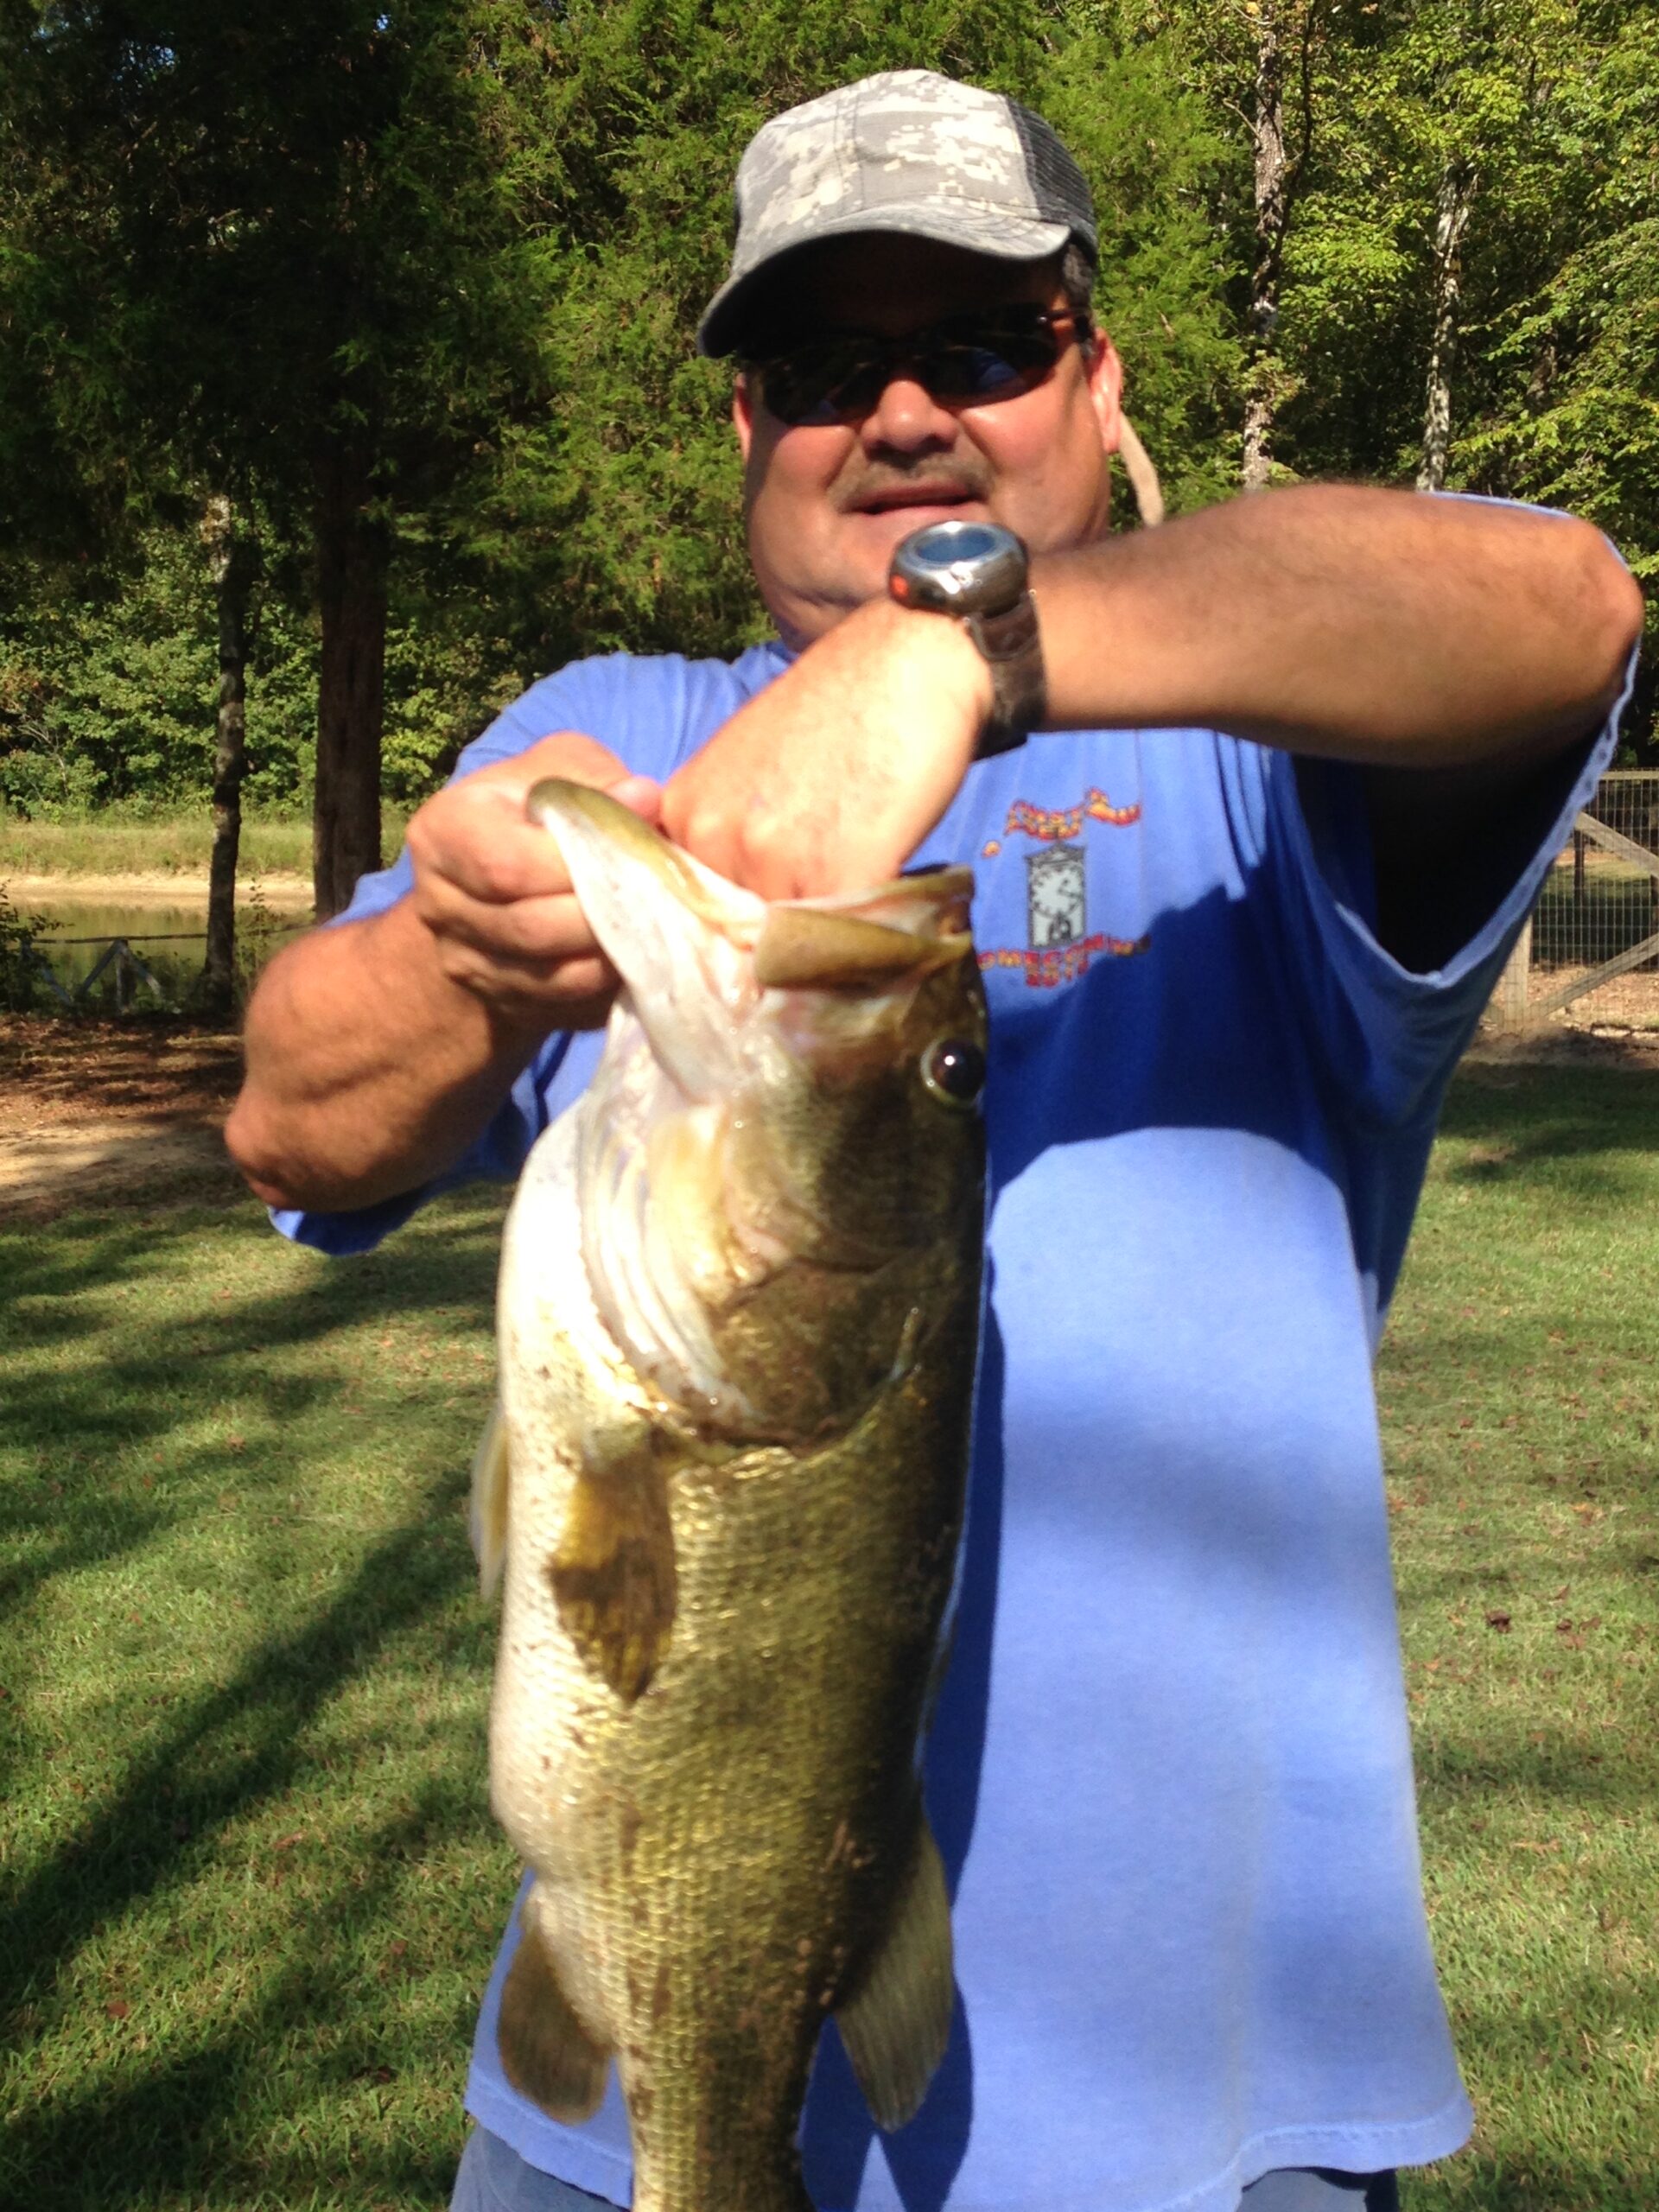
546, 2052
896, 2022
487, 1510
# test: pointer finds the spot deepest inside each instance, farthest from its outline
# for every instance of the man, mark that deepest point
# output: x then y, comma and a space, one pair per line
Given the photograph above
1228, 974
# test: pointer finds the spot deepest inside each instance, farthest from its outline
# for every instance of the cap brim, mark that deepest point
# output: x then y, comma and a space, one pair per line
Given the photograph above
991, 232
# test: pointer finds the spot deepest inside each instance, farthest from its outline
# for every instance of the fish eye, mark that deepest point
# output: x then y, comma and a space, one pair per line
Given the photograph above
953, 1068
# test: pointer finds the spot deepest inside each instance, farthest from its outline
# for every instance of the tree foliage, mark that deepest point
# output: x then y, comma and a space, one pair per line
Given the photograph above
296, 256
444, 262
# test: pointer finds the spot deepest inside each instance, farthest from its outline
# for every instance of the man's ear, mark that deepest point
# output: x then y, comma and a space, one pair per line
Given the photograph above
743, 415
1106, 391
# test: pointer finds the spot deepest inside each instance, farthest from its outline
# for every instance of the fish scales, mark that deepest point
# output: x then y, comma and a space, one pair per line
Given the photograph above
723, 1613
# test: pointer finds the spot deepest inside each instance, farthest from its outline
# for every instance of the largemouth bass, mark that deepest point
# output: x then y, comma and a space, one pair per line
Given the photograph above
738, 1314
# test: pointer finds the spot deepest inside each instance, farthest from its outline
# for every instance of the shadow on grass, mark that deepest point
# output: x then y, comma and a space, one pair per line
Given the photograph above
1459, 1765
94, 1396
129, 1846
75, 1412
172, 2125
1517, 1118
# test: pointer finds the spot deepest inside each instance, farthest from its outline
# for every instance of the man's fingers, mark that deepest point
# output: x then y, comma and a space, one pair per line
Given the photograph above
828, 779
477, 836
542, 928
491, 886
640, 795
577, 995
483, 847
569, 753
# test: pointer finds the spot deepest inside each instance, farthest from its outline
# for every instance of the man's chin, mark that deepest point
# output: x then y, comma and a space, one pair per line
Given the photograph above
852, 568
868, 541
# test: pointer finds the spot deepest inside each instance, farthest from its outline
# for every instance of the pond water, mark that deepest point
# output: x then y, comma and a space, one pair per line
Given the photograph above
171, 940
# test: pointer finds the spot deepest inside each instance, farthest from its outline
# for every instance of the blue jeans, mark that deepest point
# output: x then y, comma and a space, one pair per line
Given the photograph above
494, 2178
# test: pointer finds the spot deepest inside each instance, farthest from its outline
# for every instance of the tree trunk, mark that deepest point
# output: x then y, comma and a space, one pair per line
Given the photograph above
353, 552
232, 561
1272, 195
1457, 197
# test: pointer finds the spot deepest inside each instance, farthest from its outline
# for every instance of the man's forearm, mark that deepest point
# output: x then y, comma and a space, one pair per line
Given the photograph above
368, 1070
1374, 627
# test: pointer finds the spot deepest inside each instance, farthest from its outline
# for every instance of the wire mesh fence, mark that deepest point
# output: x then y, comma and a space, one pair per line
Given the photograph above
43, 972
1593, 943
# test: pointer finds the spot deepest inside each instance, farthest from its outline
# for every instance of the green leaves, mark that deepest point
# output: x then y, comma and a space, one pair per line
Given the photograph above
473, 241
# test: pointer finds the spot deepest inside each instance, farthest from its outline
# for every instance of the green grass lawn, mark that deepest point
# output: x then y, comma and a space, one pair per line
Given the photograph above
250, 1888
1519, 1386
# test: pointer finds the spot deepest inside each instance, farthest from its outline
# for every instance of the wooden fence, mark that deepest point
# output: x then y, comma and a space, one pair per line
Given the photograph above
1594, 935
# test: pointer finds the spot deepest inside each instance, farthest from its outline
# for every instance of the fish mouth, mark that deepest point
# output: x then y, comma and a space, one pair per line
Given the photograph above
700, 956
739, 1026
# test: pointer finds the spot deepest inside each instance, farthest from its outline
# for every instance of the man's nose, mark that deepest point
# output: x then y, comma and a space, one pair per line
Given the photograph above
906, 417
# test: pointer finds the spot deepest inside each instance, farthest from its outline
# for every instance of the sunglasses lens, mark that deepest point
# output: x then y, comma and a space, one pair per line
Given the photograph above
828, 381
990, 367
968, 361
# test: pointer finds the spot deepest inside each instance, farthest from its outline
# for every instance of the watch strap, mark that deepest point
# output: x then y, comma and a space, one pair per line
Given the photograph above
1012, 646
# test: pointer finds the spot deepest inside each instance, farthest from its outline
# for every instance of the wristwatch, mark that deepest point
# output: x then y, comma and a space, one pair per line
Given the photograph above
978, 572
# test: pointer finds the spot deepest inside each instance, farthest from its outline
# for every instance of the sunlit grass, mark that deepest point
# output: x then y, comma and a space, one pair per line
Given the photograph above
1520, 1390
250, 1890
169, 844
251, 1887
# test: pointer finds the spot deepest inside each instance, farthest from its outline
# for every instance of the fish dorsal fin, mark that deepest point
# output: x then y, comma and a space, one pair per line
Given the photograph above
923, 902
896, 2022
487, 1512
805, 947
546, 2053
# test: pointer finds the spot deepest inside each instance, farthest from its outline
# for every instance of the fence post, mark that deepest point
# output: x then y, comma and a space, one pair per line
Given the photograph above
1511, 996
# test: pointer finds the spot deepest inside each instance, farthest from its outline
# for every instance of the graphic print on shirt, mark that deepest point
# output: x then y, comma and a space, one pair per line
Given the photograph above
1060, 943
1057, 903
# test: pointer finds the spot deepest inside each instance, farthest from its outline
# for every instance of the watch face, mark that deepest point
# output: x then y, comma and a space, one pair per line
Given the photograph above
961, 567
948, 544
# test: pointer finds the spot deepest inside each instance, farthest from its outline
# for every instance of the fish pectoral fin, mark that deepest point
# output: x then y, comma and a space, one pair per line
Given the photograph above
614, 1575
896, 2022
488, 1511
546, 2053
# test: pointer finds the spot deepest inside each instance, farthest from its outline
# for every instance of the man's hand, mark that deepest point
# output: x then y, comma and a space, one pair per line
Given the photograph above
377, 1052
830, 780
492, 892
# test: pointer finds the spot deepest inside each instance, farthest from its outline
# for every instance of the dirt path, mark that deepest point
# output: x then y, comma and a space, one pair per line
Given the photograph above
92, 1111
154, 888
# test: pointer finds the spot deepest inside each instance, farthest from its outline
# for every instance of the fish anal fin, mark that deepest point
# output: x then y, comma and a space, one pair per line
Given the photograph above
614, 1575
896, 2022
546, 2053
488, 1513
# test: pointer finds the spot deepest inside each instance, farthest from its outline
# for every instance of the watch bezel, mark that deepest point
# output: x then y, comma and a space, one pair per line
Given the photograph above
926, 573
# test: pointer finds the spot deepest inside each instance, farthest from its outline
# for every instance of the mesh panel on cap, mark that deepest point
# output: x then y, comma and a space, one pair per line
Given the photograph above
1058, 184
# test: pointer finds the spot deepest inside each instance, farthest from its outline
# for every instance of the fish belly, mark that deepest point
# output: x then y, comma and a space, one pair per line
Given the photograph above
718, 1858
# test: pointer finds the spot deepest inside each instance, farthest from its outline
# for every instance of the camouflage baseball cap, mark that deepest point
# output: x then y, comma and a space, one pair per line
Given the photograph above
907, 151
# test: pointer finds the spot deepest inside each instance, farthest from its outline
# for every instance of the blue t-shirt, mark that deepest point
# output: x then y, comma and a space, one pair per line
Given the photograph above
1169, 1773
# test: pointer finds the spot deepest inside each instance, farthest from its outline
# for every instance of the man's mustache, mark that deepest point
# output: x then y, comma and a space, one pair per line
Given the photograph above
936, 481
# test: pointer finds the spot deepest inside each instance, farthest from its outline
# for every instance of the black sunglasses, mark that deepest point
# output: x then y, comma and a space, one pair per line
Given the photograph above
967, 360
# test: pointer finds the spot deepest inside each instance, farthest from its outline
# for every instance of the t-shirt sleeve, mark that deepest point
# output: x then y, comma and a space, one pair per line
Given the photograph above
642, 710
1388, 1034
